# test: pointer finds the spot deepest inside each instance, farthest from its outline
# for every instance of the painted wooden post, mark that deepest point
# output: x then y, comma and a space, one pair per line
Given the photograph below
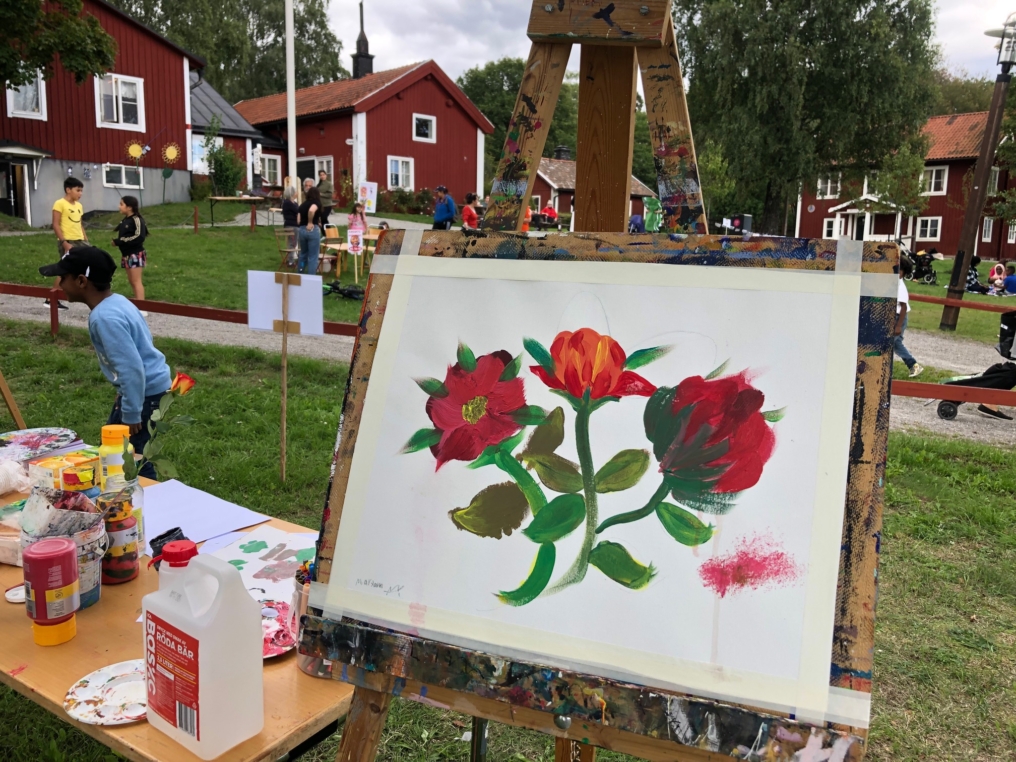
12, 406
253, 217
364, 724
54, 311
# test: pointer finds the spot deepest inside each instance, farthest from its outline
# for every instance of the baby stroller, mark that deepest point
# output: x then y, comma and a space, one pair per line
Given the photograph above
924, 271
999, 376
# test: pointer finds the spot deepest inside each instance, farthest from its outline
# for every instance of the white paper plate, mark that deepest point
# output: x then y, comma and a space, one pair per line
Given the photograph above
15, 594
113, 695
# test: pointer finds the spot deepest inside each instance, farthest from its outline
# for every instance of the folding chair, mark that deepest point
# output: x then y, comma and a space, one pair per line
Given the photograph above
332, 252
289, 252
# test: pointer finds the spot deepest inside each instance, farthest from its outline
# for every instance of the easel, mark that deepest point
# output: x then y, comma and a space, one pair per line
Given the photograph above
12, 406
285, 327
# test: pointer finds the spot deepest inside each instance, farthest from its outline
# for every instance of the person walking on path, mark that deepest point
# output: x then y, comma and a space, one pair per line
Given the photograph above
130, 239
470, 219
902, 308
122, 341
444, 209
309, 232
327, 191
67, 214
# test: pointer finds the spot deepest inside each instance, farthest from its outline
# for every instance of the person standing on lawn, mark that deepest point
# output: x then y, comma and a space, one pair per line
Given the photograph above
470, 219
444, 209
309, 232
130, 239
67, 214
327, 191
902, 308
122, 341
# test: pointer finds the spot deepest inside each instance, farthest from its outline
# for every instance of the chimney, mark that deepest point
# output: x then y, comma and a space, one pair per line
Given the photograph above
562, 152
363, 61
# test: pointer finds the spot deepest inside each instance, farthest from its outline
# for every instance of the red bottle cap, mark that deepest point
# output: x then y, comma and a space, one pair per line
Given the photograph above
176, 553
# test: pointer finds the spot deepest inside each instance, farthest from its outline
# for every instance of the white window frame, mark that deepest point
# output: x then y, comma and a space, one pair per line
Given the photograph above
993, 181
199, 164
823, 188
123, 170
829, 227
327, 164
987, 229
537, 206
927, 236
944, 168
271, 158
140, 83
1011, 236
433, 125
39, 115
412, 172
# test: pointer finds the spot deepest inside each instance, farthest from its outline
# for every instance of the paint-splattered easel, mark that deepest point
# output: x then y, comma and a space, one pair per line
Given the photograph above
12, 406
617, 39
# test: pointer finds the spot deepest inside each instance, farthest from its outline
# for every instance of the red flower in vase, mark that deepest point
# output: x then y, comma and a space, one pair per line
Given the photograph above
588, 361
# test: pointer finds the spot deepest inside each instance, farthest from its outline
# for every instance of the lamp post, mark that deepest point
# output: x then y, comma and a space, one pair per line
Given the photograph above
982, 170
290, 95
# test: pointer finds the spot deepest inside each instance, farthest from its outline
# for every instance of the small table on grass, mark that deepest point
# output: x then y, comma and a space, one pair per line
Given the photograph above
252, 200
297, 706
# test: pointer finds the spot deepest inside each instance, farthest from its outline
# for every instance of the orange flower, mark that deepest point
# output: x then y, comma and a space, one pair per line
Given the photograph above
182, 384
585, 361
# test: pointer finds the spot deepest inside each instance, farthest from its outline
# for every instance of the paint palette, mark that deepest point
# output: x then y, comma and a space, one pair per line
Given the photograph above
31, 443
278, 639
113, 695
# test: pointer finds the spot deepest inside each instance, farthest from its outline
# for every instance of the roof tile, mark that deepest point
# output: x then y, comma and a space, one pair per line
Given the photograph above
561, 174
955, 136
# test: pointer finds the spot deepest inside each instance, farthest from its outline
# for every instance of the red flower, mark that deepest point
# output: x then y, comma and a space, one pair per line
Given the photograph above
587, 361
476, 412
182, 383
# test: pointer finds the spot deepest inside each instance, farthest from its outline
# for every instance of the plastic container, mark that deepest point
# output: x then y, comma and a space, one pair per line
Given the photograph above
51, 589
203, 665
117, 491
111, 450
120, 563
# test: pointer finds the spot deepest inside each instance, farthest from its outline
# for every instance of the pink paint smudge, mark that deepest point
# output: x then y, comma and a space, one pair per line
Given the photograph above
755, 563
18, 670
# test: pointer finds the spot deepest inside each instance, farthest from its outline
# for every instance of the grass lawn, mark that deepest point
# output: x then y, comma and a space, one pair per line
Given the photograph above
208, 268
972, 324
945, 656
8, 223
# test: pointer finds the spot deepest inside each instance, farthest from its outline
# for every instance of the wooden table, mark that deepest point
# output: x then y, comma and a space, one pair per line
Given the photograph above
297, 706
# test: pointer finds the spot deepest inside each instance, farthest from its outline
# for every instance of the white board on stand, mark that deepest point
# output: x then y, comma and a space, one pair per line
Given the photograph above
264, 303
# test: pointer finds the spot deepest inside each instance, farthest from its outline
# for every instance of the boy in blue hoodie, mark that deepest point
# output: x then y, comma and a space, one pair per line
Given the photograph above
122, 341
444, 209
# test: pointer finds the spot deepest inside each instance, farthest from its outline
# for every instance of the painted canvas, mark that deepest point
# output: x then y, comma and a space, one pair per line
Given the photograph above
630, 469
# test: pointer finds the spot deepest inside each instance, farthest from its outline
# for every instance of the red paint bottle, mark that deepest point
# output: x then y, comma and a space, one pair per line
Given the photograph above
121, 563
51, 589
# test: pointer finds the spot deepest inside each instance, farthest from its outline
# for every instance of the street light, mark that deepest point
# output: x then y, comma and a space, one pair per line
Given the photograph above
982, 170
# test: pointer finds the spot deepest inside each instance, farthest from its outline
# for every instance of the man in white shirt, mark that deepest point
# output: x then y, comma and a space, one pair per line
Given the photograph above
902, 307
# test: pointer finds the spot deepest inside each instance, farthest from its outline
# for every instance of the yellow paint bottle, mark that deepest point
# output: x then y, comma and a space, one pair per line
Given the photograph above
111, 450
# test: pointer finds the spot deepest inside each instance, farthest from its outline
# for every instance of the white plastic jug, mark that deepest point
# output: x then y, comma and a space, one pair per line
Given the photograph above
203, 660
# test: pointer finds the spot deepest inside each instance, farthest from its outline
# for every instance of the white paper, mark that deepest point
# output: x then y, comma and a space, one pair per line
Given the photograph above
199, 515
217, 543
267, 559
264, 303
368, 197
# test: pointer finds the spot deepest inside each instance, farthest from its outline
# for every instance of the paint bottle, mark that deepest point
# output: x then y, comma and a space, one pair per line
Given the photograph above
120, 563
51, 589
203, 629
111, 450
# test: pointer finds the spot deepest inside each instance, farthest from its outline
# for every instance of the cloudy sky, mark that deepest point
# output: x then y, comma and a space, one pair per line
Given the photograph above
459, 34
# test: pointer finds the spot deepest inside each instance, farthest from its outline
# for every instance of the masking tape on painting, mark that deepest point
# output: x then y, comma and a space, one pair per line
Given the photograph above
848, 707
411, 241
849, 254
383, 264
319, 600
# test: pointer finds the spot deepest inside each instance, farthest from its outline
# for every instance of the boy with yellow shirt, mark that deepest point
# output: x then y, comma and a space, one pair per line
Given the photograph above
67, 213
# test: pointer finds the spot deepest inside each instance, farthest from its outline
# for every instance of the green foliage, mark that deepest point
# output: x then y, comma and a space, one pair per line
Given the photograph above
559, 518
32, 33
536, 582
682, 525
557, 473
899, 183
623, 471
616, 562
960, 93
548, 436
421, 440
227, 170
466, 358
719, 189
643, 165
244, 41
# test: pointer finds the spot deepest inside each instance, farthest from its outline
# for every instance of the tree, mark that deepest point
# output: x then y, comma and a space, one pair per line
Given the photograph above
642, 164
32, 33
244, 41
960, 93
899, 184
791, 90
227, 170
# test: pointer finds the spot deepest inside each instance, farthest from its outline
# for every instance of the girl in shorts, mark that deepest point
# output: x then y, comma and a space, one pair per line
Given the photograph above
130, 239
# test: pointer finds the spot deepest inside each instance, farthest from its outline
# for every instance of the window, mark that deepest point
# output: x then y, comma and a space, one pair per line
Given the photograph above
29, 100
928, 228
993, 181
199, 165
829, 227
1011, 237
120, 102
987, 228
935, 181
400, 173
270, 169
828, 187
425, 128
323, 163
534, 203
121, 176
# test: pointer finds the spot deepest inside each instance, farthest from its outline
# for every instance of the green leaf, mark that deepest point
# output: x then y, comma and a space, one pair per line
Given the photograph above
623, 471
575, 402
432, 387
183, 420
719, 370
467, 360
511, 370
152, 448
421, 440
548, 436
557, 473
603, 401
539, 353
536, 582
683, 526
612, 559
162, 427
774, 416
165, 468
494, 511
156, 415
529, 415
558, 518
486, 458
645, 356
166, 402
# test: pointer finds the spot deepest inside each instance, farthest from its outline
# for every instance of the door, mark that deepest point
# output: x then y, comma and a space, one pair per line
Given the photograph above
305, 168
8, 192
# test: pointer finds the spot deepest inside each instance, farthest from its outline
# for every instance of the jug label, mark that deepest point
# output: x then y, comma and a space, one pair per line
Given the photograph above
171, 672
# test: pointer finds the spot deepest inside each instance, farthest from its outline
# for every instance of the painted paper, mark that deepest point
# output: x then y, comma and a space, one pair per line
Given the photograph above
31, 443
367, 195
634, 469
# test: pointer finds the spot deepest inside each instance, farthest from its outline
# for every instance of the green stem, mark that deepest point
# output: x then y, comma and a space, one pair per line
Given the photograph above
578, 569
534, 495
641, 513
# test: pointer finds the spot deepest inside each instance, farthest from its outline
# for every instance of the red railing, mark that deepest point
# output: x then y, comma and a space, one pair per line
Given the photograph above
963, 304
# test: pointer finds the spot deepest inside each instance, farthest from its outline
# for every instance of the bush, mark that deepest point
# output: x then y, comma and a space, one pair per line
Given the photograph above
200, 190
402, 201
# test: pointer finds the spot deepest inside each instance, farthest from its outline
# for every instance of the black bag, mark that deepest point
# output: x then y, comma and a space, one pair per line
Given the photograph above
1007, 330
999, 376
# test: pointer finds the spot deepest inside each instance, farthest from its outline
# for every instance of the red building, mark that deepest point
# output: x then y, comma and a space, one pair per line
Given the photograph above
555, 184
830, 211
50, 129
408, 128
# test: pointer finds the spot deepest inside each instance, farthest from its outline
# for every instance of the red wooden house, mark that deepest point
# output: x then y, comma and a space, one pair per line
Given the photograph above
555, 184
50, 129
408, 128
830, 211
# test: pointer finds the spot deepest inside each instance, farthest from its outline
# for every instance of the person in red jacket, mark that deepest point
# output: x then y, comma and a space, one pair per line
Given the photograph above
550, 213
470, 219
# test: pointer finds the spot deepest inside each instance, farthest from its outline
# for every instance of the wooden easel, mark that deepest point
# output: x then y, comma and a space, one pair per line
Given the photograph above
616, 40
12, 406
285, 327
